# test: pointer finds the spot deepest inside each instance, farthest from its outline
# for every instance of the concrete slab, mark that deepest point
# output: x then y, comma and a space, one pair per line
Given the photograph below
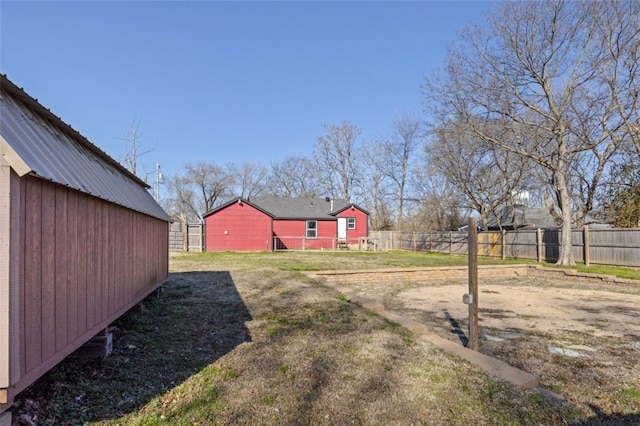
366, 303
493, 366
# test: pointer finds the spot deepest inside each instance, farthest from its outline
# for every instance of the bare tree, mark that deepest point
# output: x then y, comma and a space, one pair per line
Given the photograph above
548, 71
485, 174
623, 196
336, 162
133, 148
250, 178
201, 187
292, 177
620, 33
181, 203
398, 156
441, 206
377, 193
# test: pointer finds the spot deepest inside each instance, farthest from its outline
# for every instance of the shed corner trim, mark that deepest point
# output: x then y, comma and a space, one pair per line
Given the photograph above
12, 158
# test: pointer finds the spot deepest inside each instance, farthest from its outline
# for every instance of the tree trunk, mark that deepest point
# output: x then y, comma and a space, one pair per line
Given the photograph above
566, 252
400, 209
484, 220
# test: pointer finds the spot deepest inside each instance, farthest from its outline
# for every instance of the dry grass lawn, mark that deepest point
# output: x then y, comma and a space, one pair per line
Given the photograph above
248, 339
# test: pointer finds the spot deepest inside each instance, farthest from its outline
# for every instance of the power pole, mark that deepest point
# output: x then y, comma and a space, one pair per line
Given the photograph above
158, 181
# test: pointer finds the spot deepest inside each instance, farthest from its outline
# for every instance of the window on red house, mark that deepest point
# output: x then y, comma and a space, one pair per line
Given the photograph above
312, 229
351, 223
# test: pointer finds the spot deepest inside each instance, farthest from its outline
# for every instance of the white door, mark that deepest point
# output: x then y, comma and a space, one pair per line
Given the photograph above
342, 229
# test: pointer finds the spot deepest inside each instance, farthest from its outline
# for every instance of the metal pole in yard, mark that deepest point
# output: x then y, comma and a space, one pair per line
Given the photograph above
472, 297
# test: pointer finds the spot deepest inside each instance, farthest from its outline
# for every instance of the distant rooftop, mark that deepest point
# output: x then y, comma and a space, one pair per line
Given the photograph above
299, 208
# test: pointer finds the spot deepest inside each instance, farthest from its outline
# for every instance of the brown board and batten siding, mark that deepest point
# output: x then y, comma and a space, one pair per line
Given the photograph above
73, 286
81, 241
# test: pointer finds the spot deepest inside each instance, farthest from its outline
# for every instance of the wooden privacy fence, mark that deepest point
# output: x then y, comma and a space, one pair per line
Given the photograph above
618, 247
186, 237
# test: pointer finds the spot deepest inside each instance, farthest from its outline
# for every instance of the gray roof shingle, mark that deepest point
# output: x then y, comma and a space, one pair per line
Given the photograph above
299, 208
518, 217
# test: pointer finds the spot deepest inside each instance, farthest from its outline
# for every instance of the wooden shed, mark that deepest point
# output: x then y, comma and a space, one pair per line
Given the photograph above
82, 241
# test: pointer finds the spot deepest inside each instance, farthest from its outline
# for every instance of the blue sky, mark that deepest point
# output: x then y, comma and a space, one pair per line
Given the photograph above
226, 81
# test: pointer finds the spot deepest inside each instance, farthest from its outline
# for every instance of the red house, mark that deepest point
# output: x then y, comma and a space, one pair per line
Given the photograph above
276, 223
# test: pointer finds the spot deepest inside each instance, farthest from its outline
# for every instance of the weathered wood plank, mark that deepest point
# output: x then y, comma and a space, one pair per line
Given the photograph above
117, 260
90, 248
99, 314
5, 265
48, 249
81, 259
72, 269
33, 275
129, 244
61, 264
104, 260
112, 259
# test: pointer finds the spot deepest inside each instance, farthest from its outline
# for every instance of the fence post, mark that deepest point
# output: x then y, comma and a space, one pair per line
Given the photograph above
539, 243
472, 343
503, 244
586, 244
430, 242
450, 242
185, 236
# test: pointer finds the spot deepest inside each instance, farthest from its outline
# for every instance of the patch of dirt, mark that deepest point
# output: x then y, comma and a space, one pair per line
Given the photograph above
525, 306
581, 340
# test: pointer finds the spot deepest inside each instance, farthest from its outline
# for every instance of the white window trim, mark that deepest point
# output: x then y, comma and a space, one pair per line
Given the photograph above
349, 219
315, 230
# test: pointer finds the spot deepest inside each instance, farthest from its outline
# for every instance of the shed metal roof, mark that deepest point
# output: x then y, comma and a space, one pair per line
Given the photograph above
35, 141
